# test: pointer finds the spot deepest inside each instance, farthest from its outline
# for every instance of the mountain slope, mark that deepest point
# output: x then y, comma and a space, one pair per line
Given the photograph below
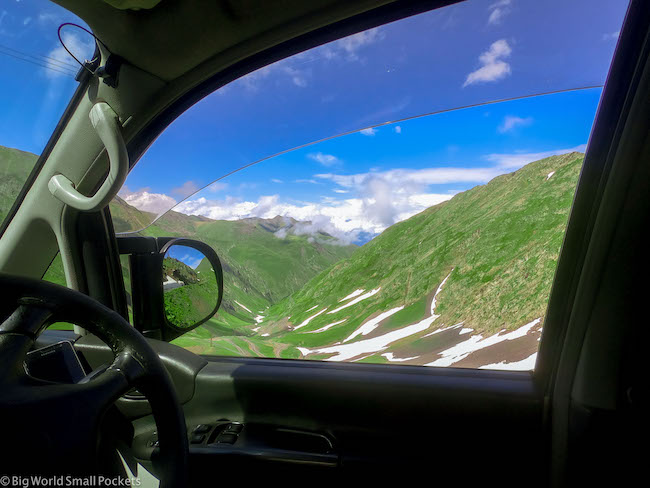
464, 283
15, 166
495, 244
259, 268
127, 218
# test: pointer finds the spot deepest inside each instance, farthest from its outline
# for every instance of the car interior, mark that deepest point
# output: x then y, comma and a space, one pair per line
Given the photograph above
121, 399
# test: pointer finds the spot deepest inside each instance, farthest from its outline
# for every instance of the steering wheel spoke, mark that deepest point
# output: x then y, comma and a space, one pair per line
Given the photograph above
107, 384
30, 318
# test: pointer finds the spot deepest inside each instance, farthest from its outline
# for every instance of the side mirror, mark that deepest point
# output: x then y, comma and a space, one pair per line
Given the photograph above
174, 284
192, 281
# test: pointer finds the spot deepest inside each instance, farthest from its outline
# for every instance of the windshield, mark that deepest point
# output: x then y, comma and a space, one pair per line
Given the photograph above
465, 54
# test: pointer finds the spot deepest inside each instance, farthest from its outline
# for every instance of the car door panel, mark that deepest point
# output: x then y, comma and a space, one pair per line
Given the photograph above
341, 419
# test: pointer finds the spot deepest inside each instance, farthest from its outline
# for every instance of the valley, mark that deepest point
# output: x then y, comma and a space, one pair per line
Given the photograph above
464, 283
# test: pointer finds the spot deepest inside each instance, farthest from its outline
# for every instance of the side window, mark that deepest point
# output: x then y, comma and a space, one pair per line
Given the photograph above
36, 83
55, 274
372, 200
37, 80
126, 275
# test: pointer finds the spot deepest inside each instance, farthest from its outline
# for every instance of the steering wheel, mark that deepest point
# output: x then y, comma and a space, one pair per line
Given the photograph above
53, 428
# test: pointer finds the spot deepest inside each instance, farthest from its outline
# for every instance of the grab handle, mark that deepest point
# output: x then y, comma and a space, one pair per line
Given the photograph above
106, 123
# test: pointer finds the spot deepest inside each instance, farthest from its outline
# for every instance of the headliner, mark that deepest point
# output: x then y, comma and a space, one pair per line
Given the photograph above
175, 36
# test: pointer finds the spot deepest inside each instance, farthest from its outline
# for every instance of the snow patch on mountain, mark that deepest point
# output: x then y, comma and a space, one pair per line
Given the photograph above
355, 293
307, 320
474, 343
372, 324
527, 364
357, 300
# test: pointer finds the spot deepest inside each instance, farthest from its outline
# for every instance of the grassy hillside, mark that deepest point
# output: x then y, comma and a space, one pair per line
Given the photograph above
467, 270
259, 268
15, 166
179, 271
197, 296
501, 240
496, 244
127, 218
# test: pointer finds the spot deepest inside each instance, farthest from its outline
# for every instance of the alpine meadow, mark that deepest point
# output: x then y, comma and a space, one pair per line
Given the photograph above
463, 283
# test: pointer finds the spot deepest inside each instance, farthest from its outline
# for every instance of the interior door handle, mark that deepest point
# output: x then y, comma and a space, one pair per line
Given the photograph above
106, 123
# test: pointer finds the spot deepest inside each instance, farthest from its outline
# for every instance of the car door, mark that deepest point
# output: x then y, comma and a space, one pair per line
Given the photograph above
262, 417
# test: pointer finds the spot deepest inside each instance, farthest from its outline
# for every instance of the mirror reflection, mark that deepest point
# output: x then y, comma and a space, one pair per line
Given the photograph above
189, 286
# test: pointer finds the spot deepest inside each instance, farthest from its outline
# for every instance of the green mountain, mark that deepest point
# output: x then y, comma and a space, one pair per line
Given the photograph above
494, 248
465, 282
190, 294
179, 271
260, 268
15, 166
127, 218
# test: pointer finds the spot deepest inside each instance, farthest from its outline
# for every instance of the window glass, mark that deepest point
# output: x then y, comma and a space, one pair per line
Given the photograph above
126, 275
55, 274
428, 232
36, 83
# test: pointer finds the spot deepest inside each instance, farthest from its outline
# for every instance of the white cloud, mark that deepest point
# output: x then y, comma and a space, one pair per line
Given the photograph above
82, 48
298, 76
285, 68
191, 261
352, 44
324, 159
410, 180
498, 10
493, 68
275, 180
368, 132
293, 68
144, 199
372, 211
511, 122
373, 201
49, 18
510, 161
495, 16
398, 129
217, 186
186, 189
611, 36
252, 81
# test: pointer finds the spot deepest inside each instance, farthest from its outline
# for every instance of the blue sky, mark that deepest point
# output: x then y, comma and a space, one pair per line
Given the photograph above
187, 255
471, 53
35, 89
